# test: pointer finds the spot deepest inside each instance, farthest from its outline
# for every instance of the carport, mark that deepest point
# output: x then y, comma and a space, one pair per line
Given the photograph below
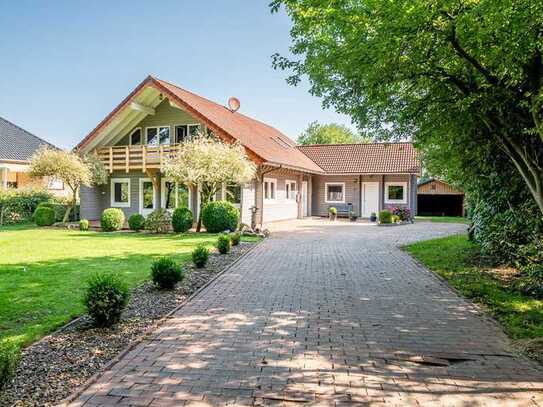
438, 198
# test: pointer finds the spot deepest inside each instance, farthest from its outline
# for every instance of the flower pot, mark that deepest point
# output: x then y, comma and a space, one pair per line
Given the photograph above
373, 218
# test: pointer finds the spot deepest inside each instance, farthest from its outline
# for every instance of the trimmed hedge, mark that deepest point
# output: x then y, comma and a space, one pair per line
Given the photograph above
220, 216
182, 220
200, 255
105, 298
385, 217
112, 219
59, 209
166, 273
224, 244
44, 216
136, 222
235, 238
19, 205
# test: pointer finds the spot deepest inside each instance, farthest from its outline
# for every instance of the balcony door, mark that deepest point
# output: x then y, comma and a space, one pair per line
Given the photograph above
147, 196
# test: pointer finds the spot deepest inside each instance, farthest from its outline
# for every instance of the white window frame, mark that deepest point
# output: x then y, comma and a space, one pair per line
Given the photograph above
141, 208
115, 204
270, 181
396, 184
158, 132
141, 136
163, 194
288, 189
327, 184
189, 125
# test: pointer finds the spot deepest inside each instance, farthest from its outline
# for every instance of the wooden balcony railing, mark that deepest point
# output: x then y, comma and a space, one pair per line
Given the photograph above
127, 158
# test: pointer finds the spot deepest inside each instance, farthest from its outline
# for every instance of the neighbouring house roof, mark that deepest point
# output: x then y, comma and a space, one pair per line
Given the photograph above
17, 144
374, 158
449, 187
263, 141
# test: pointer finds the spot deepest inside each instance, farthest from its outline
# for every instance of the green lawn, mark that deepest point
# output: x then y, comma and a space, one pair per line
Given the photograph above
455, 259
443, 219
43, 271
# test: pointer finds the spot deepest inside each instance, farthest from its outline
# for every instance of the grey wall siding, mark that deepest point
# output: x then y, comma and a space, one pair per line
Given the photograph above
92, 202
353, 190
134, 178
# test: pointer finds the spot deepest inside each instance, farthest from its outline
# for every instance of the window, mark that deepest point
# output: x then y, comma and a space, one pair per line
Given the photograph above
120, 192
233, 194
270, 185
335, 192
290, 187
396, 192
180, 134
158, 135
147, 195
174, 195
55, 184
135, 137
194, 130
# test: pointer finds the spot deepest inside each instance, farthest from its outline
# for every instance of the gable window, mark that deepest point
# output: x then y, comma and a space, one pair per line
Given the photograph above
396, 192
135, 137
194, 130
158, 135
290, 188
180, 134
270, 186
120, 192
335, 192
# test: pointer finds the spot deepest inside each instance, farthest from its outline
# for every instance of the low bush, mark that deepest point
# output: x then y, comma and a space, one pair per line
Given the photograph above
220, 216
9, 358
200, 255
18, 205
112, 219
44, 216
332, 211
105, 298
385, 217
136, 222
395, 219
223, 243
235, 238
83, 225
166, 273
158, 221
182, 220
58, 208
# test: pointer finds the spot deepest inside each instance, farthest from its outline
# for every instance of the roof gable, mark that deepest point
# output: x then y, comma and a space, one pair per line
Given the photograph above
264, 143
372, 158
17, 144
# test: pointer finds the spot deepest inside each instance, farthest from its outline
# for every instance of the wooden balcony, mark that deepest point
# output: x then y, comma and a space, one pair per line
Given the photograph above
129, 158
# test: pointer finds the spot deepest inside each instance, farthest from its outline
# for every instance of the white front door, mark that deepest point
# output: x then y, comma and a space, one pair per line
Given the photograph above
147, 196
370, 198
304, 199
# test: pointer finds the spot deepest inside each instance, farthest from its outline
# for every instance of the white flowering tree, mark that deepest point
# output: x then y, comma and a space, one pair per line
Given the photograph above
69, 168
208, 164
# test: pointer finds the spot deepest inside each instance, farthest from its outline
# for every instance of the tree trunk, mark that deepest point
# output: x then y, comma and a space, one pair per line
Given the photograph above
72, 207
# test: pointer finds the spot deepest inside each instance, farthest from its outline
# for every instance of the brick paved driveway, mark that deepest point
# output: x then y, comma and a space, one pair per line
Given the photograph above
324, 314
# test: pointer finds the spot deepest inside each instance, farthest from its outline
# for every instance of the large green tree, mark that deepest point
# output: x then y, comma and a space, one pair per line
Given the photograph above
331, 133
464, 76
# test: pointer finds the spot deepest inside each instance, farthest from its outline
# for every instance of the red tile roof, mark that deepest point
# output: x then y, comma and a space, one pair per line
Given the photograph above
376, 158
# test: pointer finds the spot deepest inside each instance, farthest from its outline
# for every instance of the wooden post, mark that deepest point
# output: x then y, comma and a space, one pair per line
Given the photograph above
161, 155
143, 158
127, 153
110, 160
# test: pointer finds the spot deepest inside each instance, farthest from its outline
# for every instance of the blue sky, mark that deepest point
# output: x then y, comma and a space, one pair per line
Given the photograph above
65, 64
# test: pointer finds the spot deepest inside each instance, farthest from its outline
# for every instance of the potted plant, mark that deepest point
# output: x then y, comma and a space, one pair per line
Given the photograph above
332, 213
353, 216
373, 217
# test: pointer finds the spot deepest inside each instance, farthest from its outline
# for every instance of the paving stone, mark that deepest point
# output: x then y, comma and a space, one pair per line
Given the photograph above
328, 314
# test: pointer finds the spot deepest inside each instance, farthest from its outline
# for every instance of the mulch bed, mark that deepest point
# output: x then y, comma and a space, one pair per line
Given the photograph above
53, 367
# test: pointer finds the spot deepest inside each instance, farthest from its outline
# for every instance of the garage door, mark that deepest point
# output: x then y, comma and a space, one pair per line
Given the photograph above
439, 205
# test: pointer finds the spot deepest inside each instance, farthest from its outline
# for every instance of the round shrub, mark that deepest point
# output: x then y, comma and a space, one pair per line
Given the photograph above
105, 298
83, 225
158, 221
44, 216
235, 238
112, 219
223, 244
332, 211
385, 217
59, 209
200, 255
165, 272
9, 358
182, 220
136, 222
220, 216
